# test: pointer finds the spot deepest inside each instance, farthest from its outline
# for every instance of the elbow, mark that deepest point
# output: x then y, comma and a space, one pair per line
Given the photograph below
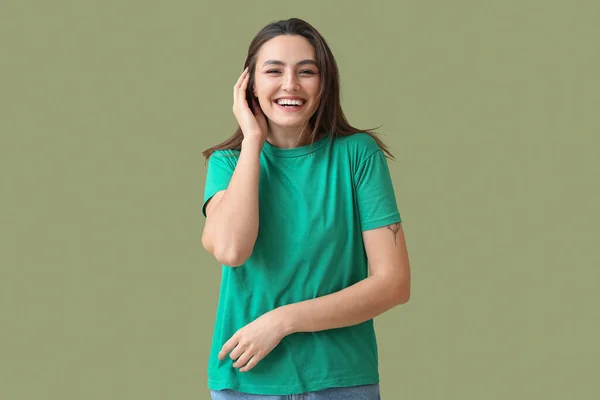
231, 257
403, 297
401, 294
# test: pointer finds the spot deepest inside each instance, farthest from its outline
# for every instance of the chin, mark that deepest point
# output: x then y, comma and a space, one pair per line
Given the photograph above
289, 123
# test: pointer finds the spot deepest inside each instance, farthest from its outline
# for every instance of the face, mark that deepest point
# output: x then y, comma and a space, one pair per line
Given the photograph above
286, 69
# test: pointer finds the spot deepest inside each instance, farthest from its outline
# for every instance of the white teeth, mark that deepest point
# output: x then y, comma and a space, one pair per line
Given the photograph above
290, 102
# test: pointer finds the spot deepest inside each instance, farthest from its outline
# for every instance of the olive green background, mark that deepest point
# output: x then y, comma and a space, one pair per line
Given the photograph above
491, 108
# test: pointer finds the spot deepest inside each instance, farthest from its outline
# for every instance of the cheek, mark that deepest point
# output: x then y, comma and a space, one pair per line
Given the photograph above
263, 88
314, 89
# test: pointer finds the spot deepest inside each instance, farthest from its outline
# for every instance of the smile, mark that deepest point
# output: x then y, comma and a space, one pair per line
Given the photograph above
290, 106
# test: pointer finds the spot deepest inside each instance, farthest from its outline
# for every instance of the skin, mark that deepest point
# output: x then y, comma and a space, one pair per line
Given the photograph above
232, 215
291, 79
387, 286
388, 283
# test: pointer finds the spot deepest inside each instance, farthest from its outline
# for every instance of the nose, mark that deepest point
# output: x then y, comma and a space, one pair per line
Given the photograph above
290, 82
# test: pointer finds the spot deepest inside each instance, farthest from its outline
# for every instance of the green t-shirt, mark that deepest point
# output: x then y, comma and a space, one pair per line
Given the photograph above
314, 203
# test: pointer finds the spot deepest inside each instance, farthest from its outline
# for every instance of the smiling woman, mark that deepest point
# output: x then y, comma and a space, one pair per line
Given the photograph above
287, 87
298, 296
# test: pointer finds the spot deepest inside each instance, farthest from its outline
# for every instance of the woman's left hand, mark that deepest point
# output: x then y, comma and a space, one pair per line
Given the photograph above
254, 341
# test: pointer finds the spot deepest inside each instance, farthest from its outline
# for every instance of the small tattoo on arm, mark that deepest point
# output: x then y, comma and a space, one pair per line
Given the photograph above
394, 228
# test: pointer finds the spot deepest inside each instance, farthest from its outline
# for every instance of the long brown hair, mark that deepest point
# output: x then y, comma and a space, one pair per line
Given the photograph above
329, 117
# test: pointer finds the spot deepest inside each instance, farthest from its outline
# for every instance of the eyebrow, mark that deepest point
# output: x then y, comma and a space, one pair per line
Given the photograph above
277, 62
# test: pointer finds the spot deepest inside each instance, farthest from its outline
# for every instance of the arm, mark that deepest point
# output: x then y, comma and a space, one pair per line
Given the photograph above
387, 286
231, 224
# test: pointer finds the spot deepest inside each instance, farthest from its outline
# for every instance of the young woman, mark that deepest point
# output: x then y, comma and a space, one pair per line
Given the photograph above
301, 213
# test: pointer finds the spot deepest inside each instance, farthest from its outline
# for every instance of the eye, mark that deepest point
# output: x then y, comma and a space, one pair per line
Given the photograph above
306, 71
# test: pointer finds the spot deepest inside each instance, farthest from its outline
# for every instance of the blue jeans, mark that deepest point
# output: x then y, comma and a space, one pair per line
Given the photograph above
362, 392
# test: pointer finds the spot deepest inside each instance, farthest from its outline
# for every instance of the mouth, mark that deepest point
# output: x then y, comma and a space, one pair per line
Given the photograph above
290, 105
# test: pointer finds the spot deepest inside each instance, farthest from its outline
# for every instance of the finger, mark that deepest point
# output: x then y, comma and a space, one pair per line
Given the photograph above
239, 82
251, 364
227, 347
242, 90
246, 78
243, 360
236, 352
240, 95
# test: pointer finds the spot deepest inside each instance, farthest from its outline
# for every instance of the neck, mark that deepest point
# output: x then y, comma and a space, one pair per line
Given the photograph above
287, 138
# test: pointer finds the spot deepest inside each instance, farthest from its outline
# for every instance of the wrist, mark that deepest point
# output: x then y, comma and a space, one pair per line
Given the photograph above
285, 319
253, 143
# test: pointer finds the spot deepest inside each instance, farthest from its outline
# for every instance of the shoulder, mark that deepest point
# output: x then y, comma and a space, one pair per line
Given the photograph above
226, 152
360, 142
220, 155
358, 146
223, 159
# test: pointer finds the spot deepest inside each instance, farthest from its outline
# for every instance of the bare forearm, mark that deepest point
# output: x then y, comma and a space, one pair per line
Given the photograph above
350, 306
233, 226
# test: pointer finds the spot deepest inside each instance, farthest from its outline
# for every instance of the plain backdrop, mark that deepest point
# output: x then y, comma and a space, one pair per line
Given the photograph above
491, 109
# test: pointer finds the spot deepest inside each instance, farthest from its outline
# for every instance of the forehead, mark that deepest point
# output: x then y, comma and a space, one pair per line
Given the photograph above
287, 48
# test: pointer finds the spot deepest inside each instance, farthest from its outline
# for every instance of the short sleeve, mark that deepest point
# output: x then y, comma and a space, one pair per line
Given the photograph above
375, 193
221, 165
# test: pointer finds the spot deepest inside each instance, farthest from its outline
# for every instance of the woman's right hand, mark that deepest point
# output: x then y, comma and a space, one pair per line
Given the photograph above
253, 125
